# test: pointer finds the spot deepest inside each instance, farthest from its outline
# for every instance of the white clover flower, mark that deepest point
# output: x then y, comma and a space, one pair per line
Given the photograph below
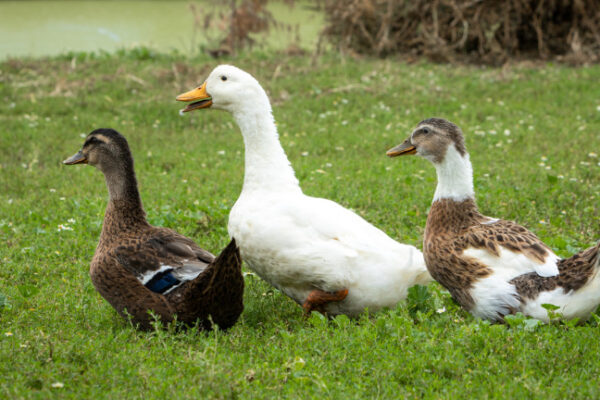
304, 153
221, 152
58, 385
507, 132
62, 227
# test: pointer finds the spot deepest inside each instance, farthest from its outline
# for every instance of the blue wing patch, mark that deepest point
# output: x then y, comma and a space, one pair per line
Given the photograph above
162, 282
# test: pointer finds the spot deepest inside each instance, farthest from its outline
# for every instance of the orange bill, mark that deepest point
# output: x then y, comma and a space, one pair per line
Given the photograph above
200, 98
402, 149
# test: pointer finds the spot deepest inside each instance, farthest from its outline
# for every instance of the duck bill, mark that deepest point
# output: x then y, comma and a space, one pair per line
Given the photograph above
406, 148
77, 158
200, 99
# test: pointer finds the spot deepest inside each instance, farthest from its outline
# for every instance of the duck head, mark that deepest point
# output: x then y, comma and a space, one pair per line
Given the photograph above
442, 143
227, 88
105, 149
431, 139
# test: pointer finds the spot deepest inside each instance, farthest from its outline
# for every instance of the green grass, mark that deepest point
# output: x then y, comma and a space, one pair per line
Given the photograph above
336, 117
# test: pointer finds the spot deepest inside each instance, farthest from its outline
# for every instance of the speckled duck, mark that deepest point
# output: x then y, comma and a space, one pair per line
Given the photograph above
492, 267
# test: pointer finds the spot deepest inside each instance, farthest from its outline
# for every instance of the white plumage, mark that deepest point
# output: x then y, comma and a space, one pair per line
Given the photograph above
300, 243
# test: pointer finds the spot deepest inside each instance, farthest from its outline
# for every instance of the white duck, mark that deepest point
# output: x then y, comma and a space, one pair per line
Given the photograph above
322, 255
492, 267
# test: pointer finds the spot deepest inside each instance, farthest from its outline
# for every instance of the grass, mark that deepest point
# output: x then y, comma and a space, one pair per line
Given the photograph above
532, 132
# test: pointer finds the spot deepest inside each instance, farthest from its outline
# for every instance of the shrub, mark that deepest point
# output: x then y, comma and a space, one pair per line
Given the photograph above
482, 31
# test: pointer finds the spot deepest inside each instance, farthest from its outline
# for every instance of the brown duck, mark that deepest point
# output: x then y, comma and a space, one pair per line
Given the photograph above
140, 268
490, 266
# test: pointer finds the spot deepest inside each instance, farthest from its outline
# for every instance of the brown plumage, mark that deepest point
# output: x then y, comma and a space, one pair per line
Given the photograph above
140, 268
574, 273
492, 267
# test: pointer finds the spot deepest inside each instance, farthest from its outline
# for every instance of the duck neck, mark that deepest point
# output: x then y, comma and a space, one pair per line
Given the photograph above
124, 211
267, 167
455, 177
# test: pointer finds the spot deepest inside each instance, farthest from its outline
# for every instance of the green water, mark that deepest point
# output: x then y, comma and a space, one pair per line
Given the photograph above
40, 28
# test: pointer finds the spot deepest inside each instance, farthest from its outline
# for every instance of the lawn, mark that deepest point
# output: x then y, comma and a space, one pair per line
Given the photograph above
533, 132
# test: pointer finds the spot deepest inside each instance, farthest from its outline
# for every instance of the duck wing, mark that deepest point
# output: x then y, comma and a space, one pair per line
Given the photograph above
506, 244
327, 246
163, 260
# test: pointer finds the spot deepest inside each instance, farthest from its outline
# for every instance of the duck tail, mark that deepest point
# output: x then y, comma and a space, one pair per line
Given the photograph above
228, 284
229, 256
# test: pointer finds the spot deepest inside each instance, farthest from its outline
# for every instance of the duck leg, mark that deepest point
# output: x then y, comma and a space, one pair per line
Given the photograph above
318, 298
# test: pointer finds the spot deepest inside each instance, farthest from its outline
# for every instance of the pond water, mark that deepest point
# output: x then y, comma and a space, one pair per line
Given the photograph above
41, 28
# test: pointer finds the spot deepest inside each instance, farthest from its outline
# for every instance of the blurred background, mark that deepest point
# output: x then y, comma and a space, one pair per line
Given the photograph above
49, 27
475, 31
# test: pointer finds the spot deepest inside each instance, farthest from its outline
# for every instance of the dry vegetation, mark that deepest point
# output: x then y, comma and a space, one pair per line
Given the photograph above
238, 25
481, 31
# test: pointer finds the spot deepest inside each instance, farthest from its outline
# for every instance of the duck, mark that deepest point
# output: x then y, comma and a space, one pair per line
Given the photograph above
323, 256
492, 267
139, 268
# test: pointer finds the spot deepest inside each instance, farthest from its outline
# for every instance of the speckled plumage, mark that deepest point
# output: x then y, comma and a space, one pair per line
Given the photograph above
492, 267
130, 250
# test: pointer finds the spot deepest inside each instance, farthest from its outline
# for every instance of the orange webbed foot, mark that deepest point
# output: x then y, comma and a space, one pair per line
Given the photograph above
317, 299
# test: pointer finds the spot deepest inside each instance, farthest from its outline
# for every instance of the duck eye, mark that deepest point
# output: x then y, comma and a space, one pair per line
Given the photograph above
223, 78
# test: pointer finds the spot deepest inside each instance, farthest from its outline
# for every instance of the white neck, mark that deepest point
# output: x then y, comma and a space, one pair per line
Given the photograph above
267, 166
455, 177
